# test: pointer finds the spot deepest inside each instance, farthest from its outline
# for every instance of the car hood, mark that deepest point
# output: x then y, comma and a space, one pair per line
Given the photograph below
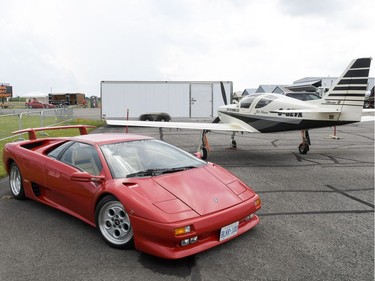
205, 189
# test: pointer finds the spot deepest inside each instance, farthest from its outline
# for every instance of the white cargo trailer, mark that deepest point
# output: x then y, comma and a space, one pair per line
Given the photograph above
176, 98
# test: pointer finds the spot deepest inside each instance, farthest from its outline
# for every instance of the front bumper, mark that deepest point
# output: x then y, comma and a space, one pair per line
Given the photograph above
159, 239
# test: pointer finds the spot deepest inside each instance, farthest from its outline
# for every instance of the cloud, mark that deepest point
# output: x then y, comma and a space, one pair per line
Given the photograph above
317, 8
73, 45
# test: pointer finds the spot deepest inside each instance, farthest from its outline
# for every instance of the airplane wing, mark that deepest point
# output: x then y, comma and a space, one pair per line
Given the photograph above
185, 125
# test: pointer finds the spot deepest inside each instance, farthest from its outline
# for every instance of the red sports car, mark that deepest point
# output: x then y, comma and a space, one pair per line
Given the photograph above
38, 104
136, 190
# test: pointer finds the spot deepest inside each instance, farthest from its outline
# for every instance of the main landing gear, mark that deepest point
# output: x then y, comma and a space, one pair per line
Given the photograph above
204, 147
305, 144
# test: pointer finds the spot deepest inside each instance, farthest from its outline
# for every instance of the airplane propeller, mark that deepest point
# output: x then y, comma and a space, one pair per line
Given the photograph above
223, 93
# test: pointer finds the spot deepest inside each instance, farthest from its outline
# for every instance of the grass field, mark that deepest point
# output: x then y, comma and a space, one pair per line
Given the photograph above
12, 122
57, 133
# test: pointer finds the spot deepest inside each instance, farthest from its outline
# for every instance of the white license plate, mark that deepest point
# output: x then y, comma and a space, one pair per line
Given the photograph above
229, 231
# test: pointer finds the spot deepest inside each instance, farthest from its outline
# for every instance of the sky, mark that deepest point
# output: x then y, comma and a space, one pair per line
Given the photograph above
72, 45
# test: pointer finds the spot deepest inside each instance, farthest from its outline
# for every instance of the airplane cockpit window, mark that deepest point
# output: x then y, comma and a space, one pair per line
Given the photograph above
265, 101
247, 101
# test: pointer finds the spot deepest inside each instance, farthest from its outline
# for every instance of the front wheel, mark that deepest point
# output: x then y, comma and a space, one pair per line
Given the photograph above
114, 224
15, 182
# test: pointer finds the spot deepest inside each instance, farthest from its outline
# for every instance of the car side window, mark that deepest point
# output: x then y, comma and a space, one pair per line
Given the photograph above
84, 157
58, 150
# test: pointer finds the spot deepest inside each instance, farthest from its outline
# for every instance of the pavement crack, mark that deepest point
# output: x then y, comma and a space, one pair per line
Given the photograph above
334, 160
309, 190
315, 213
349, 196
301, 159
274, 143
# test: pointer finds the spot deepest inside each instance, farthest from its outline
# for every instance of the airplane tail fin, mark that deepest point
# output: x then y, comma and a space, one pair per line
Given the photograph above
348, 92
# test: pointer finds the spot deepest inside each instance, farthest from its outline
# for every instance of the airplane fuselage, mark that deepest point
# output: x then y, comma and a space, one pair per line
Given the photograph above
269, 113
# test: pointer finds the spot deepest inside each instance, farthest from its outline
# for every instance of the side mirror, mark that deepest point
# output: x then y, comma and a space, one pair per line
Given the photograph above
86, 177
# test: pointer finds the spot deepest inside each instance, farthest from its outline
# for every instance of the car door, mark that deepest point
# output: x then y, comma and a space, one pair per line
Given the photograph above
73, 196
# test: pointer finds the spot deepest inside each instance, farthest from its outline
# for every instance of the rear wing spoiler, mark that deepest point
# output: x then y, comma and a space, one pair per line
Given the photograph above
32, 131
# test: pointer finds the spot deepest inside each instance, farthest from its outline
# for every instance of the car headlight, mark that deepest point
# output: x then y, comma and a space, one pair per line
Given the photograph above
189, 241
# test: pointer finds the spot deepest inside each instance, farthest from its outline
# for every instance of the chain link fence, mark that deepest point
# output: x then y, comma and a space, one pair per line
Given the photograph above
32, 119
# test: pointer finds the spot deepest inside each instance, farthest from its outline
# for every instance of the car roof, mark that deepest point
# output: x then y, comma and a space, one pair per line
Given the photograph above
100, 139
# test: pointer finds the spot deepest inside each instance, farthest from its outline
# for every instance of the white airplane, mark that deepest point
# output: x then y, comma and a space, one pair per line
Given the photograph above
268, 112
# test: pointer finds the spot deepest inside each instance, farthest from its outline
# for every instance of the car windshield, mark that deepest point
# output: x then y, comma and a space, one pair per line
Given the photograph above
147, 158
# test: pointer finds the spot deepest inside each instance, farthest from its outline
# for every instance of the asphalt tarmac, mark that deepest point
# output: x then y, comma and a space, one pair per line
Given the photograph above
317, 218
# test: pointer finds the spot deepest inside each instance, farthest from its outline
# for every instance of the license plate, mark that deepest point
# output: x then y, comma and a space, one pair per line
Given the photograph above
229, 231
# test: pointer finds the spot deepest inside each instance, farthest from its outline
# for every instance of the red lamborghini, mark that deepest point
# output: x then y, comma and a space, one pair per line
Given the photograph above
136, 190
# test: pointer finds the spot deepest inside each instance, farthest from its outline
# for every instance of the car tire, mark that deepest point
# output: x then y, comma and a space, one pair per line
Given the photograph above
113, 223
15, 182
161, 119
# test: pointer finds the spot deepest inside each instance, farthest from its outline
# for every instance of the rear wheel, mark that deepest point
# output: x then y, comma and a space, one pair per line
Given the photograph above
15, 182
114, 224
163, 118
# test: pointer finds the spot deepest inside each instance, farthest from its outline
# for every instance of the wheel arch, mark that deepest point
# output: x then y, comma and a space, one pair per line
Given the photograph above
134, 209
99, 198
9, 163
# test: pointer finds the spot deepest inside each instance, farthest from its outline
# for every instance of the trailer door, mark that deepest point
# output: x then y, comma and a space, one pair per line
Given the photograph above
201, 100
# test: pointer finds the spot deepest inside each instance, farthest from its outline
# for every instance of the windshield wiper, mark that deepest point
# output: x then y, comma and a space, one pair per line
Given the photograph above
156, 172
177, 169
145, 173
